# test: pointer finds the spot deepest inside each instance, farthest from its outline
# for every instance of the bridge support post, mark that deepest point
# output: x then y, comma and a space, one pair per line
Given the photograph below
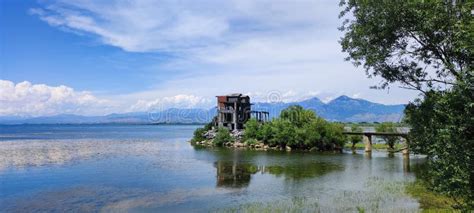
368, 142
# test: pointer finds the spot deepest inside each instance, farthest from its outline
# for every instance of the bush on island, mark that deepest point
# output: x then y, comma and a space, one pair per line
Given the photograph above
222, 136
252, 127
297, 128
251, 141
199, 135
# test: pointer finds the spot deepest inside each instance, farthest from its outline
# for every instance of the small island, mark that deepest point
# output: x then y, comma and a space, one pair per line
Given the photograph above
295, 128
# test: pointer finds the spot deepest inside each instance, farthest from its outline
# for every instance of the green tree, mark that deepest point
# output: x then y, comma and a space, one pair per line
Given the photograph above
388, 127
447, 140
302, 129
315, 131
266, 133
252, 128
333, 136
199, 135
424, 46
222, 136
404, 41
283, 133
297, 115
354, 139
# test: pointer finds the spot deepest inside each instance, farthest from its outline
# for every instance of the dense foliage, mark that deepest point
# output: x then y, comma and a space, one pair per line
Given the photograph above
222, 136
297, 128
354, 139
198, 134
388, 127
448, 140
421, 44
425, 46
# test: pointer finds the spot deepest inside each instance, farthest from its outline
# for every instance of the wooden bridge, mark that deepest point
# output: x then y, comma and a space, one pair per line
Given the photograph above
367, 139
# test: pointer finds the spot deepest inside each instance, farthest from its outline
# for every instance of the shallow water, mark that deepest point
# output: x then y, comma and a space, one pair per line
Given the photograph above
144, 168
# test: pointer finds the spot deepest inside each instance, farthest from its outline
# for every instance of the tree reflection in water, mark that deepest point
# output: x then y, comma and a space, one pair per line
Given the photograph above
236, 174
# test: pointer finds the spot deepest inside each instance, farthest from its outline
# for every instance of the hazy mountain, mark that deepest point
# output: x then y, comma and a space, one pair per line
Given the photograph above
342, 108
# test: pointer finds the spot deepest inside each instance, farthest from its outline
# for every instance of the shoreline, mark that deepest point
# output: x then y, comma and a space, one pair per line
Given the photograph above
260, 146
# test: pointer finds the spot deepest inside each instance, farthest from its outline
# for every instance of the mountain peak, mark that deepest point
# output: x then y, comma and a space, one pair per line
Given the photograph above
314, 99
342, 108
343, 98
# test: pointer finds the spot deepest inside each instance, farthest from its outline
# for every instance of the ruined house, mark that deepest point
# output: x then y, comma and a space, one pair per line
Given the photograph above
234, 110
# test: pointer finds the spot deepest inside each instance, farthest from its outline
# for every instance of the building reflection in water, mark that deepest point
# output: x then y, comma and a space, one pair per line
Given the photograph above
234, 174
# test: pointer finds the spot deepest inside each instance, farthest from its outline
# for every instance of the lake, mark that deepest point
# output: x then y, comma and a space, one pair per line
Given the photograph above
149, 168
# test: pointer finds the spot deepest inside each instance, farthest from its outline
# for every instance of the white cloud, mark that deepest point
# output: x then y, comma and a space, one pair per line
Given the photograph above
157, 25
224, 47
181, 101
26, 99
136, 26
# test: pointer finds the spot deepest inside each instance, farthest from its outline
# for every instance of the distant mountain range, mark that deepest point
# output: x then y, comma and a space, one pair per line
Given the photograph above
343, 109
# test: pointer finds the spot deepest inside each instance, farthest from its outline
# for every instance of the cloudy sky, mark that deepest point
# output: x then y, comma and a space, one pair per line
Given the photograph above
96, 57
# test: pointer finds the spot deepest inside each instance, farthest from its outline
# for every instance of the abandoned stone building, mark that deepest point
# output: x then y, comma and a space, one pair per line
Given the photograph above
234, 110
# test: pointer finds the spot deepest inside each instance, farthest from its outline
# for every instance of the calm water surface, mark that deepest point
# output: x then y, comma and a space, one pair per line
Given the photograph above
145, 168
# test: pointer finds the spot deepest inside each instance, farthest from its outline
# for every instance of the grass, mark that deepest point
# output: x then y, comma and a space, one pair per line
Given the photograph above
380, 196
296, 204
429, 201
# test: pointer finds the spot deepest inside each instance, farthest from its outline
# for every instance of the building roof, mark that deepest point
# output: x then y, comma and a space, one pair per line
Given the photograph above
233, 95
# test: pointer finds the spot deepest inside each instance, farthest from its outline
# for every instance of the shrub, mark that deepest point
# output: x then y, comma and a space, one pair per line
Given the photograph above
314, 132
251, 141
388, 127
265, 133
355, 138
442, 128
223, 136
199, 135
252, 128
297, 115
297, 128
283, 133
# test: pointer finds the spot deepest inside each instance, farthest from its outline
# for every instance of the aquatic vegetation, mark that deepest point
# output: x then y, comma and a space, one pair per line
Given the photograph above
38, 153
376, 198
429, 200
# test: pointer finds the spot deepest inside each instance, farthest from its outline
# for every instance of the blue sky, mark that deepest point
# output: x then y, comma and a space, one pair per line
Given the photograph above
103, 56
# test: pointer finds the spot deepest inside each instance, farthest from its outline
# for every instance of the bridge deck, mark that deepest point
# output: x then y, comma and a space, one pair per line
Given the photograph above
377, 133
